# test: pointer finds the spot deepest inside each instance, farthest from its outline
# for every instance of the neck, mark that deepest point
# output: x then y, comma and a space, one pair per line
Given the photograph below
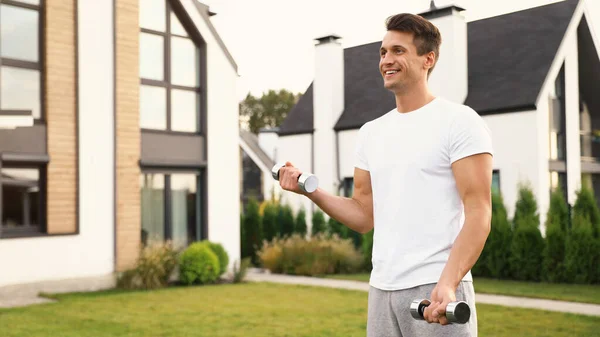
413, 99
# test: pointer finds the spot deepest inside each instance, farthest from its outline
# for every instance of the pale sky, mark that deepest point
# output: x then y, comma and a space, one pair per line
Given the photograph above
272, 41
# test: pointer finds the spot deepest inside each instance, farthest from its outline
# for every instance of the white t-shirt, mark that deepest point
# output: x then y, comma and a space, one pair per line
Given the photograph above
417, 210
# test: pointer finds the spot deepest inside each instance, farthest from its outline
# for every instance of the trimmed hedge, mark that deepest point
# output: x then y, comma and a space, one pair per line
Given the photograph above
198, 264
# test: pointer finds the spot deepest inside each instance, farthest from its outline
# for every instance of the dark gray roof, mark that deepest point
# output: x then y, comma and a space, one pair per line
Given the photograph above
251, 140
509, 58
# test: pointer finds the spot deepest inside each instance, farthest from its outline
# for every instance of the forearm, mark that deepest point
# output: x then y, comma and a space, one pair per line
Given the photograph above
349, 211
467, 246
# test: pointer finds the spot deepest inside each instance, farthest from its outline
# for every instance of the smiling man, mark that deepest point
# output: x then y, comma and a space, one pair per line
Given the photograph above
422, 181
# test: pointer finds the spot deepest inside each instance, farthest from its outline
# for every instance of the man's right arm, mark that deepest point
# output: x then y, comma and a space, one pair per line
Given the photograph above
355, 212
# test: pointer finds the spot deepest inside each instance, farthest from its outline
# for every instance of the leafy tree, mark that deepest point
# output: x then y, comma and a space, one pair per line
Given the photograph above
526, 207
585, 205
269, 110
318, 223
557, 222
300, 226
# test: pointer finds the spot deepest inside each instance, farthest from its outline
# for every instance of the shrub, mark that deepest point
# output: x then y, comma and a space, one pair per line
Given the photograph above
252, 231
337, 228
318, 255
367, 250
270, 229
153, 269
526, 250
286, 222
526, 206
198, 264
300, 227
318, 223
581, 251
240, 270
221, 253
585, 205
500, 238
556, 230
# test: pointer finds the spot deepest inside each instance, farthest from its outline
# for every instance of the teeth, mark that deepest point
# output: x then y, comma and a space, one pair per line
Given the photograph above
389, 72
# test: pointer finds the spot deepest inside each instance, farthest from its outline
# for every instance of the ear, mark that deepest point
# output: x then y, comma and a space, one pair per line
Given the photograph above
429, 60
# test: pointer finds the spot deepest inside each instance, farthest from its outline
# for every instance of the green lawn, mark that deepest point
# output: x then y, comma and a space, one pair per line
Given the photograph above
564, 292
253, 309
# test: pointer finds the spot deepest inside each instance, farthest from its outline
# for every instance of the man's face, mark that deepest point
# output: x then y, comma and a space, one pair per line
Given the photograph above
399, 64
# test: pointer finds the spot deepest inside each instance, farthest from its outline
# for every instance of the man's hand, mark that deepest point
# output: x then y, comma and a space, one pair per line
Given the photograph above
288, 178
441, 296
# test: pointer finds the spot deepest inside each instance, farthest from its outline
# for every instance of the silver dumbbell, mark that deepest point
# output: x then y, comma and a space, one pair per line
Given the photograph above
307, 182
456, 312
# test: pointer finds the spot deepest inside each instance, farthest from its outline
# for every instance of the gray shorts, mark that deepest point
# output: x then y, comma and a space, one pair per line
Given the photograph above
389, 313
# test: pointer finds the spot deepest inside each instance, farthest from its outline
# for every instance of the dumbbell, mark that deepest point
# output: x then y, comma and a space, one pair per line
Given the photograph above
456, 312
306, 181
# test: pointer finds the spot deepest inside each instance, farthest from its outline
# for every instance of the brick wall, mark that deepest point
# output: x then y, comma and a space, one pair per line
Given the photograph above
128, 133
60, 107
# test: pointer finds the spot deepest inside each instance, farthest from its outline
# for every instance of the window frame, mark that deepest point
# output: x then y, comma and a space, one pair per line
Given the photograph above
201, 227
28, 230
28, 65
200, 91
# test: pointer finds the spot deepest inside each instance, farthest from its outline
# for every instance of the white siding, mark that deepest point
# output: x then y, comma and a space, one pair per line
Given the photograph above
514, 138
297, 150
90, 253
222, 141
347, 143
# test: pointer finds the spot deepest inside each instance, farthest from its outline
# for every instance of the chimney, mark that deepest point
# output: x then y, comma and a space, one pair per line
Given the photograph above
328, 104
449, 78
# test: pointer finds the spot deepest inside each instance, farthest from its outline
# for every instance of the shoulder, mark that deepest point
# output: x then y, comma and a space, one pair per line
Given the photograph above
462, 116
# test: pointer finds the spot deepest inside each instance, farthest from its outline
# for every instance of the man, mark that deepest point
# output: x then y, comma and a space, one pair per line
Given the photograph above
422, 181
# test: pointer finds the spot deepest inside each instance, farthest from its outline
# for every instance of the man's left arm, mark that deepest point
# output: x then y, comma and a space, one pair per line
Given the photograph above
473, 175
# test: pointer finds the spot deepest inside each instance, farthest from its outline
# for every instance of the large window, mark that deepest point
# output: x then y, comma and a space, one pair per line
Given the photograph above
23, 199
171, 207
22, 182
170, 92
20, 69
558, 131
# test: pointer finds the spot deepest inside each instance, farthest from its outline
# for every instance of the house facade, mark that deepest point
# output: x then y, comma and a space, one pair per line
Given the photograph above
134, 136
530, 74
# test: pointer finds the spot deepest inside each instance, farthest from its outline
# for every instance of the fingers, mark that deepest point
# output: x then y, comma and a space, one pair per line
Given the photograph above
428, 314
439, 313
288, 177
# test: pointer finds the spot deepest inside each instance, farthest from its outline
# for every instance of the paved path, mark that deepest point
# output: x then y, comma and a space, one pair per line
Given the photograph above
27, 294
560, 306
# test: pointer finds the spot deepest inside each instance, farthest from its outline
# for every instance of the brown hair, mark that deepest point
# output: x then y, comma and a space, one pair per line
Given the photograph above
426, 35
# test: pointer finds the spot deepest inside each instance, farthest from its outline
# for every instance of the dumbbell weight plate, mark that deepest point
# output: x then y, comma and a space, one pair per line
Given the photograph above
456, 312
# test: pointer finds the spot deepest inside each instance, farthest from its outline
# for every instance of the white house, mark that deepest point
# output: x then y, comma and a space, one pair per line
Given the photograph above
533, 76
135, 136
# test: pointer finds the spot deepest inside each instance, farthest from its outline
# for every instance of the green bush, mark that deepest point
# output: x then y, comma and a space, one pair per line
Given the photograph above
318, 255
581, 251
221, 253
557, 222
270, 226
367, 250
300, 227
240, 269
337, 228
153, 269
318, 223
526, 250
526, 206
500, 238
286, 221
198, 264
585, 205
252, 231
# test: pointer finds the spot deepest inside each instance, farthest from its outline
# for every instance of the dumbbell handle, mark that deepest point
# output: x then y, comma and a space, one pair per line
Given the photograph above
456, 312
307, 182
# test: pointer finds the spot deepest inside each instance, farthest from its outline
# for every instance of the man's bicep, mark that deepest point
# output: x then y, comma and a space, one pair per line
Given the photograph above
363, 192
473, 175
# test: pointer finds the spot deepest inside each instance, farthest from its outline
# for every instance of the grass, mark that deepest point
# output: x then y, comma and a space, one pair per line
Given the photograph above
251, 309
563, 292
